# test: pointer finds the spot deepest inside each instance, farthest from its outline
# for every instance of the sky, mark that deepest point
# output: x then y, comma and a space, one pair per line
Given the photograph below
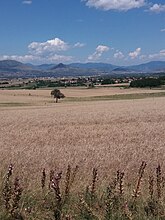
120, 32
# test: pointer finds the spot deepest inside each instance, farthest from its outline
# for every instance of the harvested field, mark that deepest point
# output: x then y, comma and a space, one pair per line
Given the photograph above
109, 135
42, 96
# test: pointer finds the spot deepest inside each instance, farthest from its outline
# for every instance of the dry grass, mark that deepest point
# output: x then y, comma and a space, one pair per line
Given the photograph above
42, 97
104, 91
107, 135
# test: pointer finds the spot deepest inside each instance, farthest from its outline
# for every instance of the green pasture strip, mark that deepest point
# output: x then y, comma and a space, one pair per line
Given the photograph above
115, 97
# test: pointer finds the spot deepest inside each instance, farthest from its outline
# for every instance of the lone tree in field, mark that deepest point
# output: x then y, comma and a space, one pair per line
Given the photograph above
57, 94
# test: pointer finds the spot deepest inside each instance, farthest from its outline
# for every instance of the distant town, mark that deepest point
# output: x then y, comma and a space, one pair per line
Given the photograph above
88, 82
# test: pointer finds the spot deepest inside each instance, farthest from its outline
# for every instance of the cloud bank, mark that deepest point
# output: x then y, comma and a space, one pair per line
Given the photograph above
56, 50
48, 51
159, 55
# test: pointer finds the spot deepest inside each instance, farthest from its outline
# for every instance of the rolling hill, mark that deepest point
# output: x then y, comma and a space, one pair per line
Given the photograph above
13, 69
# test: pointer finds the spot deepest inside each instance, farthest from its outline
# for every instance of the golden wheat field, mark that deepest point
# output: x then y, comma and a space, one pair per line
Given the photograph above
108, 135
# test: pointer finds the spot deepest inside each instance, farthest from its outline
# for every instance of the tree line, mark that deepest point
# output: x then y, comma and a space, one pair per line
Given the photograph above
148, 82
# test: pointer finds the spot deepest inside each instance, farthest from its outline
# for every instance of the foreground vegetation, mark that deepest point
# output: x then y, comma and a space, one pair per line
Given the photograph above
56, 199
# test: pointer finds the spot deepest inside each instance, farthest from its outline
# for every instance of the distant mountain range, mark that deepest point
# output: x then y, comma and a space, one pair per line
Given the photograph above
12, 68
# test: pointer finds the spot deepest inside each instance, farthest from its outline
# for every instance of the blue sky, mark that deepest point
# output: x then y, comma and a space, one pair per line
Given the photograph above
121, 32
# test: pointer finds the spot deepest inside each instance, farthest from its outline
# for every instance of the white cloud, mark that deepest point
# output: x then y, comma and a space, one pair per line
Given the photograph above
135, 53
47, 47
121, 5
162, 30
100, 49
78, 44
28, 2
157, 8
118, 55
159, 55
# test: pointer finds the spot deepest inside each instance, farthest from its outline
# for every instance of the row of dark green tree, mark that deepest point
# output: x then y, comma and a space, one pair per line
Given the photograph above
148, 82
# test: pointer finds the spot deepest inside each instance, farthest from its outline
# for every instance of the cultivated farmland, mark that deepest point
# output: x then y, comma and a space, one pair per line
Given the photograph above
107, 130
110, 135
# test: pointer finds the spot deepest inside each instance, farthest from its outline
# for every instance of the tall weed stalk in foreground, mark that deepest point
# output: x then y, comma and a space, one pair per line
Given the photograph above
7, 188
12, 192
56, 186
55, 199
137, 191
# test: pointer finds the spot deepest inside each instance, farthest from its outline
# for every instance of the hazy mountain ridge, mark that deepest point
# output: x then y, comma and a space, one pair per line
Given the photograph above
150, 66
12, 64
99, 66
12, 68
